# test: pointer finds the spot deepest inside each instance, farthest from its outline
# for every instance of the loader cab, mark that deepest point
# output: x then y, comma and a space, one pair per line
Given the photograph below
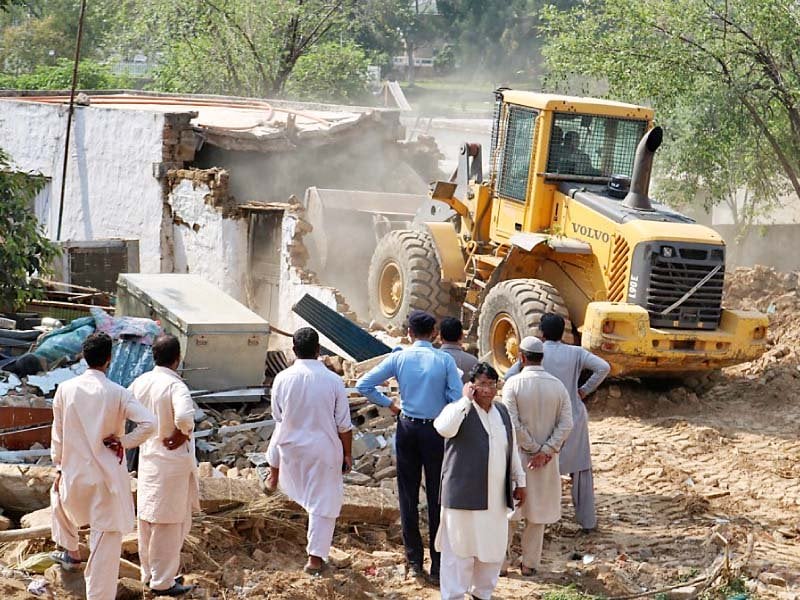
540, 141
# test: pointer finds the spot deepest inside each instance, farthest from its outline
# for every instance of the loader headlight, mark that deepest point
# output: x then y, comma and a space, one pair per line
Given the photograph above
667, 251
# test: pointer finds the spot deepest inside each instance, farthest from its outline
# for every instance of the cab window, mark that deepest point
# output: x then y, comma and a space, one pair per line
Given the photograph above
517, 152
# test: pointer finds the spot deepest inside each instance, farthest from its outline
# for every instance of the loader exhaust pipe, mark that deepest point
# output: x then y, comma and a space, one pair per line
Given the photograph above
638, 197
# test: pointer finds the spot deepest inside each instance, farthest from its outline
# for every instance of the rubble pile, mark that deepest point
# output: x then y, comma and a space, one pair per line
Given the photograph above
242, 454
776, 294
374, 462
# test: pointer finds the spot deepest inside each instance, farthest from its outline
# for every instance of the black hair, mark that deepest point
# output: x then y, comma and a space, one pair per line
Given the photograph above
306, 343
483, 368
552, 327
97, 349
421, 323
534, 357
166, 350
451, 329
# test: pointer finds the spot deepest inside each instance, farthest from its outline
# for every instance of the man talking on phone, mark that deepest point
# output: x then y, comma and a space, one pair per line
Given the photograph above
482, 480
311, 446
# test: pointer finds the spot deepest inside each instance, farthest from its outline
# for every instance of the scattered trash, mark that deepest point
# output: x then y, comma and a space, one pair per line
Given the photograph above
27, 364
48, 382
588, 559
38, 587
12, 383
67, 341
37, 563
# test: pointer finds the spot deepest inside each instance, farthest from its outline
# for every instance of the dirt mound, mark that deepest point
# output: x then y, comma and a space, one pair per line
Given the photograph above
769, 291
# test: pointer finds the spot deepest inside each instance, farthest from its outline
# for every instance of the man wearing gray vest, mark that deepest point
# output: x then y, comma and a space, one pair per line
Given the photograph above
482, 476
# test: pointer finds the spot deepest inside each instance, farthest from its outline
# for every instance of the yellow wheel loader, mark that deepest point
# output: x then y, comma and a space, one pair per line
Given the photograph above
564, 223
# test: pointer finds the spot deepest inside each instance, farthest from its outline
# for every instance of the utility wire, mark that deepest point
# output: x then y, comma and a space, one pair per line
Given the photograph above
70, 112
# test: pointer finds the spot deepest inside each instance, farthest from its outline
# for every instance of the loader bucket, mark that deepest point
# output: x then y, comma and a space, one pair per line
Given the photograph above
347, 225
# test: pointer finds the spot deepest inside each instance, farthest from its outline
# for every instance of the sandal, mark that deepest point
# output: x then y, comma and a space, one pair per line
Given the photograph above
308, 569
527, 571
66, 561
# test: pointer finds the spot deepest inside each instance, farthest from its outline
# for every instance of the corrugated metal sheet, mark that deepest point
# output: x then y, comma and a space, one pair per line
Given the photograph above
341, 331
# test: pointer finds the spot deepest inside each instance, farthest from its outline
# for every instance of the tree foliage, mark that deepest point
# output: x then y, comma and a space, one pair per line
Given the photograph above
91, 76
331, 72
24, 250
235, 46
39, 32
724, 73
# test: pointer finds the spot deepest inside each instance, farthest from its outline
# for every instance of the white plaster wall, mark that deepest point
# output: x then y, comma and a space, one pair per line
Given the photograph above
217, 251
292, 289
111, 191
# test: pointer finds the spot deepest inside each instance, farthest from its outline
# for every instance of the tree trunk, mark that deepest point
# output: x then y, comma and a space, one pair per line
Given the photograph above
410, 73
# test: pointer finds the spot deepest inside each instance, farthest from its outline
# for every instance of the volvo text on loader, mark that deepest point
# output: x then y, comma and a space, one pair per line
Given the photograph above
564, 223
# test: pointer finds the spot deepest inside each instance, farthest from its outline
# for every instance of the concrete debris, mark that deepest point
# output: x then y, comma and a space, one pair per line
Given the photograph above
221, 493
771, 579
339, 558
24, 489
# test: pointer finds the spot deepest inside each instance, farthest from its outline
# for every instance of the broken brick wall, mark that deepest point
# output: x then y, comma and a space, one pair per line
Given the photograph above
208, 237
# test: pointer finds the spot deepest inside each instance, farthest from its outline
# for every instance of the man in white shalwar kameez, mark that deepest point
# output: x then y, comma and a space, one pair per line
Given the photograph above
167, 491
481, 477
539, 407
92, 485
311, 446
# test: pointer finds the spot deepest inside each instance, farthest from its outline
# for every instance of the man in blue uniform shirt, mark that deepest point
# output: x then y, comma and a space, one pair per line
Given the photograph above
428, 380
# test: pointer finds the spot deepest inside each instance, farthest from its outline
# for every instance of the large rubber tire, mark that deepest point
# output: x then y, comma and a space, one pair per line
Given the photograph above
512, 310
408, 259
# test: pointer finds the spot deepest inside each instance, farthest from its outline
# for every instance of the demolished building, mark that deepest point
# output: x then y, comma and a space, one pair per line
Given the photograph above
218, 186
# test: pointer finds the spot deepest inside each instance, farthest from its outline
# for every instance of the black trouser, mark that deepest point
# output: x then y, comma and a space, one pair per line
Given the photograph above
418, 446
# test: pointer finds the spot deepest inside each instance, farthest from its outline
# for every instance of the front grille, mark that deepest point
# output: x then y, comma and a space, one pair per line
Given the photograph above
671, 278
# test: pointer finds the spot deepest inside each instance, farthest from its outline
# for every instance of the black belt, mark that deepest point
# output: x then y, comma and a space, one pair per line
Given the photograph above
415, 420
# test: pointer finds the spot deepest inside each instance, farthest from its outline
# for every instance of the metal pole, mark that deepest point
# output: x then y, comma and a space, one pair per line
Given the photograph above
69, 117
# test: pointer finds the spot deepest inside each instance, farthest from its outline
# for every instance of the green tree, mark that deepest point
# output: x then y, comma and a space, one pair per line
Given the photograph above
24, 250
715, 154
34, 33
91, 76
330, 73
235, 46
663, 51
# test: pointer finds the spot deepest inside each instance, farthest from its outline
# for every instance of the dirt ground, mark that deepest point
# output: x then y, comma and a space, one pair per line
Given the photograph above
684, 475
